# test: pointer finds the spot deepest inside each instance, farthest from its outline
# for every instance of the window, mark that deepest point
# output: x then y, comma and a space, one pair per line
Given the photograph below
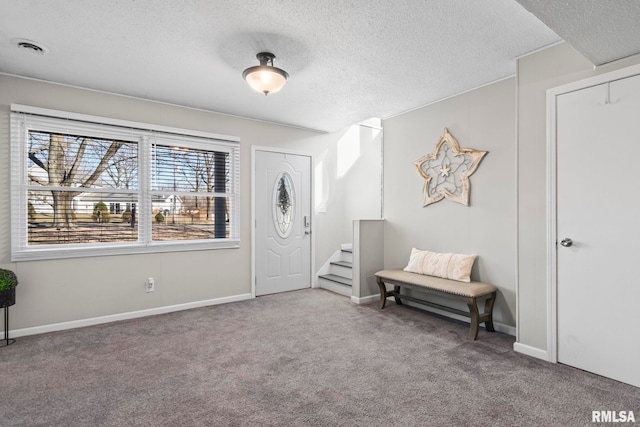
85, 186
283, 204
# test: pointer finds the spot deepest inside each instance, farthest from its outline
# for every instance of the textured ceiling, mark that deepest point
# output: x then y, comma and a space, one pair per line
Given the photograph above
601, 30
348, 61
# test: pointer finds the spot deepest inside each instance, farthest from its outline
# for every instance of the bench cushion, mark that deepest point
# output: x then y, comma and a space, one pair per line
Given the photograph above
471, 289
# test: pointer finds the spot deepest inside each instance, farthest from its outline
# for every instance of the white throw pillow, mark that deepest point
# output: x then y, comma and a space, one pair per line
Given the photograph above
448, 266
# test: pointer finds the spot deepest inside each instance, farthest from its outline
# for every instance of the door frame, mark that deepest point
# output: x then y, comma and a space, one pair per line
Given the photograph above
552, 211
254, 149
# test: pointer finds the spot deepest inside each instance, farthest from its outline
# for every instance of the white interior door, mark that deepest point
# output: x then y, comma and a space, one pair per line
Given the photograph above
598, 203
283, 222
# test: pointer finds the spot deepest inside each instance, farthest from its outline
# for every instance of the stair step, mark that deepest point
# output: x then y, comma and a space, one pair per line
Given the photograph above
347, 250
346, 264
338, 279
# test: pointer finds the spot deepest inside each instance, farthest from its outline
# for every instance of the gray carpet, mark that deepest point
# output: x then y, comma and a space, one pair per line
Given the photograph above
295, 359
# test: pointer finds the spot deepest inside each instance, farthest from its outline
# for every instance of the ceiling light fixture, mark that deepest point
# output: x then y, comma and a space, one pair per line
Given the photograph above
265, 78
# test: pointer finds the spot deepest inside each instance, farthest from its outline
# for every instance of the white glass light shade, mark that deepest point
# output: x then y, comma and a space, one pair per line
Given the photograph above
265, 79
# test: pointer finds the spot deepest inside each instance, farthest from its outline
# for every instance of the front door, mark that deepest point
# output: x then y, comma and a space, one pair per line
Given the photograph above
598, 231
282, 183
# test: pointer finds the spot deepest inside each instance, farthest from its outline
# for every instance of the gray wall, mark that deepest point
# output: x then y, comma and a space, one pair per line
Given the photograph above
483, 119
538, 72
74, 289
368, 258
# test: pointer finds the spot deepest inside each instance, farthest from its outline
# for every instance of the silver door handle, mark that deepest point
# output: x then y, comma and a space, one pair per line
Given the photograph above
566, 242
307, 231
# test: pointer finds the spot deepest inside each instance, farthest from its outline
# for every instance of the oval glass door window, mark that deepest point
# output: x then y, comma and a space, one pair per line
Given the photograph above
283, 204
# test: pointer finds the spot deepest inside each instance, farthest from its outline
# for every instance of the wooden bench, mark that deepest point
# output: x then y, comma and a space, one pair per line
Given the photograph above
467, 292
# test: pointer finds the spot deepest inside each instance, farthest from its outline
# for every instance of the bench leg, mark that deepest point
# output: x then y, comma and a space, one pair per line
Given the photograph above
383, 292
475, 319
488, 309
396, 294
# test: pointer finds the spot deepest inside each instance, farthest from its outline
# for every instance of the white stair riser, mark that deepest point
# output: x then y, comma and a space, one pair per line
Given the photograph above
335, 287
346, 256
339, 270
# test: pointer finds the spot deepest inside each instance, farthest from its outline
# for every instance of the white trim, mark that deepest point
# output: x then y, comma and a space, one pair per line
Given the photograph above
255, 148
551, 226
436, 101
365, 300
253, 221
551, 214
530, 351
615, 61
47, 112
24, 118
77, 251
506, 329
539, 49
123, 316
155, 101
517, 198
611, 76
500, 327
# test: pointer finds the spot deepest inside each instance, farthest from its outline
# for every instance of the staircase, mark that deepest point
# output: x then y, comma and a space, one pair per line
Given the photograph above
337, 276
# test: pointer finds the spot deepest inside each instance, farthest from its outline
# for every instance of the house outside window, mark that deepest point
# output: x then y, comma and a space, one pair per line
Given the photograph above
87, 186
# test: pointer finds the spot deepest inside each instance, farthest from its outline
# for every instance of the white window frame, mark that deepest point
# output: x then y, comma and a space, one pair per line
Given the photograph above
25, 118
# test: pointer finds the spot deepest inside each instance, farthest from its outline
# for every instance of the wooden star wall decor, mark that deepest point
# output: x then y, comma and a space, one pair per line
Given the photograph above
446, 171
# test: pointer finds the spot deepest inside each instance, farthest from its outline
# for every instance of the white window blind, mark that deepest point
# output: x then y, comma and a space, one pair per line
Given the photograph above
86, 186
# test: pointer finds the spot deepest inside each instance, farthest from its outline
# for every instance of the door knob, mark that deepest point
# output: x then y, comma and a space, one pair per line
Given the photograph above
566, 242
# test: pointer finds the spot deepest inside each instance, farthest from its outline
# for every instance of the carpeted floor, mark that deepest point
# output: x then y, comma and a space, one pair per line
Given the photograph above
295, 359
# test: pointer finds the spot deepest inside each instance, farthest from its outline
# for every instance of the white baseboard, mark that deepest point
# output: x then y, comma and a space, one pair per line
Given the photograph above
365, 300
530, 351
500, 327
505, 329
122, 316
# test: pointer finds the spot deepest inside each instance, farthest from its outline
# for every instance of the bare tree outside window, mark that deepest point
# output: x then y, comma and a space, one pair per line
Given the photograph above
68, 161
123, 170
91, 188
202, 165
69, 169
184, 181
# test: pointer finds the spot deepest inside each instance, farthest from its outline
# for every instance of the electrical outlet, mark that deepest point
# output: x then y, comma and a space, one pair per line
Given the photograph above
150, 285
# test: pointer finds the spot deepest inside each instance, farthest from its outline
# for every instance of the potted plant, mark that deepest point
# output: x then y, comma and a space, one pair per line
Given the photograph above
8, 283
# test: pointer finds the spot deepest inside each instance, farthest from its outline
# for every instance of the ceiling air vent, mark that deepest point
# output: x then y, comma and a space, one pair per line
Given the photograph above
31, 46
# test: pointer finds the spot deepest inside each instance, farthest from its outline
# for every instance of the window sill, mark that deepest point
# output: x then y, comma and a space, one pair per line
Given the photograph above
34, 254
